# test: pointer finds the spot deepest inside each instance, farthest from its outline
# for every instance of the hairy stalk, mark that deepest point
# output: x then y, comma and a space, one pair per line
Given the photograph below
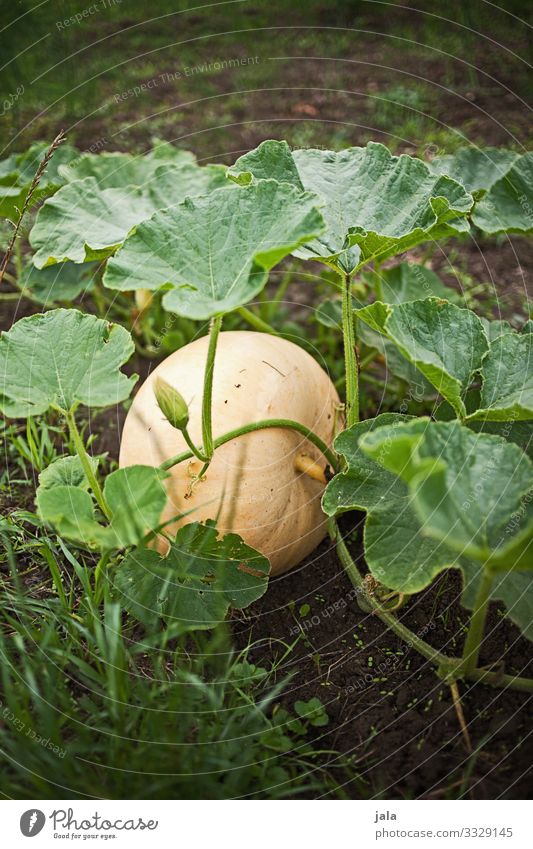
257, 323
261, 425
474, 637
446, 664
86, 464
449, 668
207, 423
350, 355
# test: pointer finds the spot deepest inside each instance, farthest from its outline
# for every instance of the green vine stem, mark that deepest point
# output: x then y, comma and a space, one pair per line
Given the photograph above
197, 453
447, 665
350, 355
257, 323
86, 464
449, 668
495, 679
207, 424
261, 425
476, 629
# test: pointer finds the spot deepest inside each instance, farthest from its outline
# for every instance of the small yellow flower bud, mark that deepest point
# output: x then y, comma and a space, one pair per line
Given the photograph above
171, 404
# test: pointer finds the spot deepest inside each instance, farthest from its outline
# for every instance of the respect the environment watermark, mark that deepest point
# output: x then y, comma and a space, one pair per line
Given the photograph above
186, 71
88, 12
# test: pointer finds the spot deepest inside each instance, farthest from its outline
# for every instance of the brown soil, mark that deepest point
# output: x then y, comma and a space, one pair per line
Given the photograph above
387, 707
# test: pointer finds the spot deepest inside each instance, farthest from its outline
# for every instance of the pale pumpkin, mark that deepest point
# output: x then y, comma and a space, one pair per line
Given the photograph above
261, 485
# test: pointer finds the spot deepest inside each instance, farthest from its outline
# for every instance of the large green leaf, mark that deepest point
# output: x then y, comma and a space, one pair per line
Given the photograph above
60, 359
170, 185
446, 343
8, 168
465, 487
83, 222
165, 151
135, 497
12, 197
507, 392
29, 161
495, 327
405, 282
477, 169
397, 551
164, 182
215, 251
419, 387
62, 282
196, 583
116, 170
90, 218
508, 205
519, 432
375, 205
364, 484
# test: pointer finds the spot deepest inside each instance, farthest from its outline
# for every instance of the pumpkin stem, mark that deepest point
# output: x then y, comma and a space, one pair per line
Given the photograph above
305, 464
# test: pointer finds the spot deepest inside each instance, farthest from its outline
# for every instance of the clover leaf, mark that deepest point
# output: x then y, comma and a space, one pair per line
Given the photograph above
229, 240
195, 584
375, 205
60, 359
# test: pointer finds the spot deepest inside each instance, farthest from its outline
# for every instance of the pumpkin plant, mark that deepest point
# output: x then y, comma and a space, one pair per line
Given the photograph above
59, 361
451, 491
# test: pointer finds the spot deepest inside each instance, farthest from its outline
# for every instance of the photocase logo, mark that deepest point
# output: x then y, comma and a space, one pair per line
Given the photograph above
32, 822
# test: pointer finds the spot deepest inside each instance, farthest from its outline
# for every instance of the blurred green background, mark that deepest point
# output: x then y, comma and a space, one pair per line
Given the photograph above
219, 78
